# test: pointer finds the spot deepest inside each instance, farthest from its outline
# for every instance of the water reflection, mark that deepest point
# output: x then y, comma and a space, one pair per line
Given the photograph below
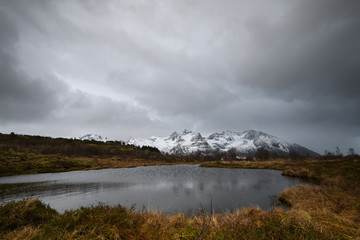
170, 188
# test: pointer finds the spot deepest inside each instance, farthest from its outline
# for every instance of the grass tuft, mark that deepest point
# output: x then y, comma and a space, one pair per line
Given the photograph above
14, 215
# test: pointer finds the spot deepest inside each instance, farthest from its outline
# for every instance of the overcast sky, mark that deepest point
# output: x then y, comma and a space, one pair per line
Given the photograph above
139, 68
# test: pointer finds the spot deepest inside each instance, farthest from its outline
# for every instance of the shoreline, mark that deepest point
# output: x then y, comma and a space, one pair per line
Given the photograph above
18, 163
330, 210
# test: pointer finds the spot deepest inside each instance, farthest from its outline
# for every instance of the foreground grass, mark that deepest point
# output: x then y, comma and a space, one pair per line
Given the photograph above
31, 219
333, 205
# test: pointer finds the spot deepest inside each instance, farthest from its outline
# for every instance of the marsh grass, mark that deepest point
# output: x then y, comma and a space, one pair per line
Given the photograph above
105, 222
332, 206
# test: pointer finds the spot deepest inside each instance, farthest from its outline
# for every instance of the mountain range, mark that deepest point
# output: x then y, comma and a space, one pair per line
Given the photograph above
246, 143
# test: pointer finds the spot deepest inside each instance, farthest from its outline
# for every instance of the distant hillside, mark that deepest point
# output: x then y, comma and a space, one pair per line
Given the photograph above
25, 154
185, 143
75, 147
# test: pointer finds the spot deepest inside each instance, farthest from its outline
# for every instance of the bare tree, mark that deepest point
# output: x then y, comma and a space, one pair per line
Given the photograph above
217, 153
294, 155
337, 151
351, 152
262, 153
232, 153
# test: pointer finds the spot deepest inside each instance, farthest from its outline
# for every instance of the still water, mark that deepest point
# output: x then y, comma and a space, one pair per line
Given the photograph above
184, 188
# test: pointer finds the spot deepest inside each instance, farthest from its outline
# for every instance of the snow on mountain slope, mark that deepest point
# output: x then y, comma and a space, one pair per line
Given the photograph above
177, 143
246, 143
94, 137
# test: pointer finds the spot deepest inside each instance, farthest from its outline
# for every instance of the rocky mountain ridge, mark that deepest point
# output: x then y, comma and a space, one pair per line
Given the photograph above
246, 143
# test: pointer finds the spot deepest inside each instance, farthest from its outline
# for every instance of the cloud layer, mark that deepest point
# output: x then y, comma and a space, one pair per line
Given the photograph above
140, 68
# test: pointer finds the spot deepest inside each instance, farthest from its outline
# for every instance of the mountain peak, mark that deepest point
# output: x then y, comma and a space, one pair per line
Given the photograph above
93, 137
173, 136
197, 137
253, 134
186, 131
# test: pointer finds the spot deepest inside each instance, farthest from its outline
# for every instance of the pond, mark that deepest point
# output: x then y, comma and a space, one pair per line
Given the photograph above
178, 188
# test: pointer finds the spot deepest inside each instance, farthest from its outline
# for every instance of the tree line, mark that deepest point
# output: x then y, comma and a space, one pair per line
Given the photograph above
75, 147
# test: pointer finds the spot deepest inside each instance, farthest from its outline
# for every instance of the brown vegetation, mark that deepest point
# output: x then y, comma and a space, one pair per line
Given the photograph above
22, 154
332, 206
16, 163
104, 222
315, 168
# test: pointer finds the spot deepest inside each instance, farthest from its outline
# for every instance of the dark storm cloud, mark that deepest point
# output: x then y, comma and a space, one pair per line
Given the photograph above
310, 56
140, 68
21, 98
310, 53
30, 105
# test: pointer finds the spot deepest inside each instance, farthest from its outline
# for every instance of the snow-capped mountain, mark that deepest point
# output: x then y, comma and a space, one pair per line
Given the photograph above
94, 137
177, 143
246, 143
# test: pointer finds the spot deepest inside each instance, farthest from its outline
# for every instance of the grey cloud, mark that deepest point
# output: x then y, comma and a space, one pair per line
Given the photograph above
81, 108
21, 98
313, 55
309, 56
45, 103
175, 92
148, 68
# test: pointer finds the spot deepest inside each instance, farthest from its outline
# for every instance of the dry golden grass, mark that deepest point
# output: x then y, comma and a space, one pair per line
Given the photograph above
332, 207
103, 222
24, 233
334, 204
